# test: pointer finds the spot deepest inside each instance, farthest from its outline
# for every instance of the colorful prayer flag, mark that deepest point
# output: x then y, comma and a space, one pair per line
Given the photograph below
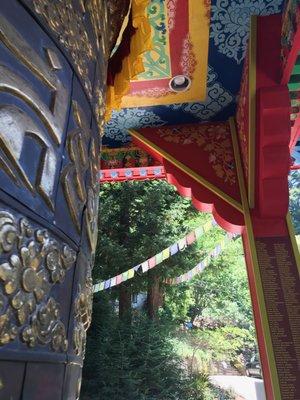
191, 237
113, 281
159, 258
198, 232
207, 226
166, 253
145, 266
152, 262
125, 276
107, 284
181, 243
174, 249
131, 273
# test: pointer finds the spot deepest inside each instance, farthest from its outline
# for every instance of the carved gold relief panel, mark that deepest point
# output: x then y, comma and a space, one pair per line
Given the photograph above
74, 174
32, 263
80, 178
34, 104
81, 27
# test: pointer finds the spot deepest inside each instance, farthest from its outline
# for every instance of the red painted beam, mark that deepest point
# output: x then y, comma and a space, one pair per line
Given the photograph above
132, 174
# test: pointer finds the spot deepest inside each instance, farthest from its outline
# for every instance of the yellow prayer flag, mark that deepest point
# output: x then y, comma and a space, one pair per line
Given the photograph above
130, 273
166, 253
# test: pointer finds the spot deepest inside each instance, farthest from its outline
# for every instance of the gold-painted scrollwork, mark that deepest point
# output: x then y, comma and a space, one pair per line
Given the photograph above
98, 12
91, 218
73, 175
46, 328
83, 314
16, 125
91, 212
54, 116
67, 22
32, 262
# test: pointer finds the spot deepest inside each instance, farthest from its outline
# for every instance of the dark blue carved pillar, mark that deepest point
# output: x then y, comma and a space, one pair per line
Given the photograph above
53, 57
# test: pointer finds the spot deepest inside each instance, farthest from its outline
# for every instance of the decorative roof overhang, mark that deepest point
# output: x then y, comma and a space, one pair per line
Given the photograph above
205, 40
199, 160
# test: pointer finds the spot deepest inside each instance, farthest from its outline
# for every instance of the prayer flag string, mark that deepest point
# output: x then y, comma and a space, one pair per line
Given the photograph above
202, 264
152, 262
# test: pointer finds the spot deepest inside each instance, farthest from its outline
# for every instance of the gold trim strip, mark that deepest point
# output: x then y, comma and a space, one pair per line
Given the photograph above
293, 240
252, 110
188, 171
258, 282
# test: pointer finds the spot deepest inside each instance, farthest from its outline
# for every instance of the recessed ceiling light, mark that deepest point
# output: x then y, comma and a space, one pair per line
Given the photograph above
180, 83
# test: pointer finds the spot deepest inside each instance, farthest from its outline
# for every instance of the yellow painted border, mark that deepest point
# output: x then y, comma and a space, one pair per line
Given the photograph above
293, 240
199, 21
188, 171
258, 282
252, 110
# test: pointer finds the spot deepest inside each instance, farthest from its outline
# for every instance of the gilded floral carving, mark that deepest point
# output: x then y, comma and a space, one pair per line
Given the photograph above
46, 328
73, 175
83, 314
67, 22
212, 138
32, 263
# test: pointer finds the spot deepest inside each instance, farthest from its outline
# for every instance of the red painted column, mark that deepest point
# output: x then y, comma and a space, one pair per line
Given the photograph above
271, 252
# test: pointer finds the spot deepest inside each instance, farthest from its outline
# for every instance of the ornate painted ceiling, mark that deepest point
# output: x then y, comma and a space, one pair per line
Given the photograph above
205, 41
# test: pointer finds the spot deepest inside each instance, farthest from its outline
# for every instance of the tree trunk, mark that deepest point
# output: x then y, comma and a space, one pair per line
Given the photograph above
124, 289
125, 303
154, 296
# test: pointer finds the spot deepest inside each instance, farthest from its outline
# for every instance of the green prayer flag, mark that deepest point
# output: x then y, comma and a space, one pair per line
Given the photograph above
198, 232
159, 258
125, 276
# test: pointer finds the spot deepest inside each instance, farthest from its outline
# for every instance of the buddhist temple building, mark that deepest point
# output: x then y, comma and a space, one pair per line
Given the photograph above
202, 93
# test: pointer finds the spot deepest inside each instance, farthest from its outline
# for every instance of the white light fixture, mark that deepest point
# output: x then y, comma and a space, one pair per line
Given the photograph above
180, 83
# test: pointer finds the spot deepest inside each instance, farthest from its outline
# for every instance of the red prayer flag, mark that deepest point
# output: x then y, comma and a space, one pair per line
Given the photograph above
191, 237
119, 279
152, 262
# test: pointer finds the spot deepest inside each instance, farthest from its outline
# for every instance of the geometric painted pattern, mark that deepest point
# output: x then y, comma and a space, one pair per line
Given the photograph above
229, 31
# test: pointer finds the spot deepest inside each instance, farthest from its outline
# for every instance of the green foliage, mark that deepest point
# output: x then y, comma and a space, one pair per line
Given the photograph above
141, 360
220, 293
137, 361
206, 348
138, 220
223, 290
198, 387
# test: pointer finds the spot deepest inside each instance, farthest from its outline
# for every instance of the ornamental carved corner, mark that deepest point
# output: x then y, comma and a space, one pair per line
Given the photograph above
46, 327
82, 314
80, 177
32, 263
67, 20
